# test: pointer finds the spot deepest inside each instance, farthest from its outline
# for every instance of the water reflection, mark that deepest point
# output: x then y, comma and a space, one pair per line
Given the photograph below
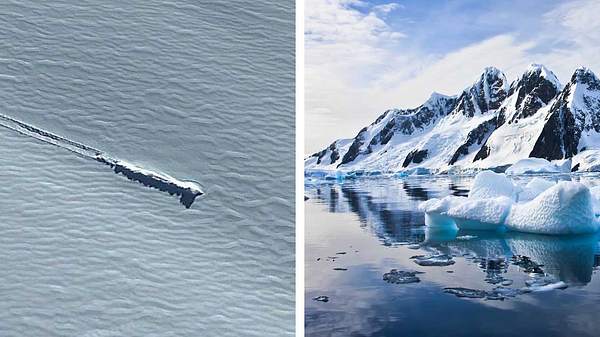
569, 258
388, 208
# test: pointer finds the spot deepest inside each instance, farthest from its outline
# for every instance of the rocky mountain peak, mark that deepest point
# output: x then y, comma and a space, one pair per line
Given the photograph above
583, 75
536, 87
539, 71
487, 93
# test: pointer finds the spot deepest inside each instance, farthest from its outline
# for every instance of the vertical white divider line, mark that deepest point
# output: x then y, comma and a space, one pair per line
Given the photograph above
300, 168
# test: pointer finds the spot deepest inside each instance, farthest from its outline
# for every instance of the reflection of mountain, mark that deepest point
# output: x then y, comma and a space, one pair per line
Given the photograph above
389, 209
388, 218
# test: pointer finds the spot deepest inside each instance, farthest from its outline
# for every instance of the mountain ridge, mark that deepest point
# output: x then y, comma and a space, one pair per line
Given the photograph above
490, 124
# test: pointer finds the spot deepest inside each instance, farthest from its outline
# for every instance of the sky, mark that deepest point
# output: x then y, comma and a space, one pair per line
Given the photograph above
364, 57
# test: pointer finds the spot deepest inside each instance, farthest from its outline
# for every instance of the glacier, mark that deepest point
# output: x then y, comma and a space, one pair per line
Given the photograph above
533, 124
540, 207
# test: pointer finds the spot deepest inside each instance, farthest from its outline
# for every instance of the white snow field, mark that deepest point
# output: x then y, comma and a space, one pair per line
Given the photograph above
497, 203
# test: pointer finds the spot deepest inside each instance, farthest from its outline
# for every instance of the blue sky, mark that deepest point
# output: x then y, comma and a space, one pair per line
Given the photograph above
363, 57
444, 26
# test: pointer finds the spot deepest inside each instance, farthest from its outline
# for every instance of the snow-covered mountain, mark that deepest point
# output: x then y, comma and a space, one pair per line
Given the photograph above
490, 124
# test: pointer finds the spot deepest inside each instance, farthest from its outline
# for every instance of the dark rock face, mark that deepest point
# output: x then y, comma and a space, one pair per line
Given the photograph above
475, 136
335, 155
486, 94
483, 153
585, 76
415, 156
533, 91
354, 149
319, 155
557, 140
565, 123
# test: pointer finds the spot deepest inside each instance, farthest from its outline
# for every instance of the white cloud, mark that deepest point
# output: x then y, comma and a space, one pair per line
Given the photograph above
344, 51
353, 71
386, 8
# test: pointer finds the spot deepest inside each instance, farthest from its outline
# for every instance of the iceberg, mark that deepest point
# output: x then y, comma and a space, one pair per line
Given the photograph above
480, 214
538, 165
534, 188
565, 208
495, 203
488, 184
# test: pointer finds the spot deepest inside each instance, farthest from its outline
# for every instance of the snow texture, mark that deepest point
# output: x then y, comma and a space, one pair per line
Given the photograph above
565, 208
488, 184
534, 188
538, 165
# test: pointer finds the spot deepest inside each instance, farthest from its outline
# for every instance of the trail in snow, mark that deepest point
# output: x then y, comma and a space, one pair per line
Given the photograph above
186, 190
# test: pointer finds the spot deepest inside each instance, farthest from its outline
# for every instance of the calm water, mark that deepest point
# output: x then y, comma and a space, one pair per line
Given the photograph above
197, 89
368, 227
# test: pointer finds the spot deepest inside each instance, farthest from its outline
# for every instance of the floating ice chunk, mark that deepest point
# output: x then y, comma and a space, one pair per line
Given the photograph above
565, 208
439, 260
321, 298
440, 205
534, 188
466, 237
466, 213
544, 283
488, 184
564, 164
480, 214
419, 171
435, 211
538, 165
401, 277
466, 292
551, 286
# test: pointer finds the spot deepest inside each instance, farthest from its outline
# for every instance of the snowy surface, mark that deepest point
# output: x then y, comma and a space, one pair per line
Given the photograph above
534, 188
488, 184
538, 165
565, 208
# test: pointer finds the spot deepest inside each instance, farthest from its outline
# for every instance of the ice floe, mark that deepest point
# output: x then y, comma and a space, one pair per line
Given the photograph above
496, 203
438, 260
401, 277
539, 165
